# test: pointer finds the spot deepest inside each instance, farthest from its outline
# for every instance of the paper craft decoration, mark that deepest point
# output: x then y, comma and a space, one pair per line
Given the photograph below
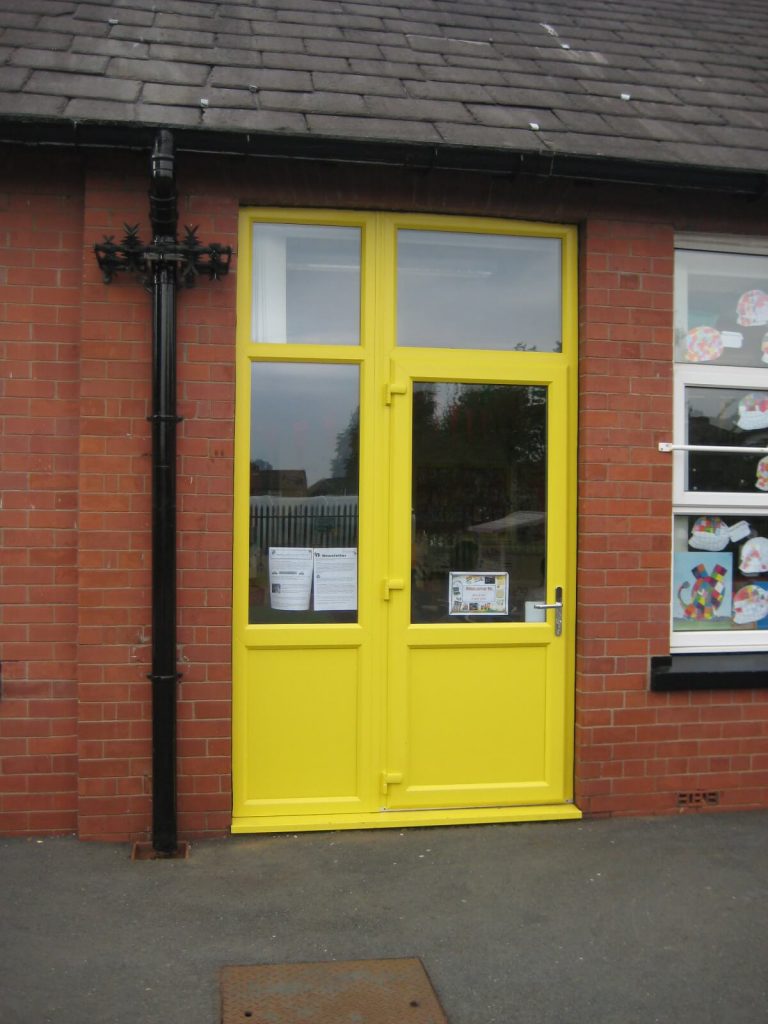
750, 604
762, 475
709, 533
732, 339
764, 348
739, 531
702, 588
703, 344
752, 309
753, 412
753, 557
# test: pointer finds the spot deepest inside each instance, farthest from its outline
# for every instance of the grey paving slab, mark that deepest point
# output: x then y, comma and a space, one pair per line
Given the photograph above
606, 922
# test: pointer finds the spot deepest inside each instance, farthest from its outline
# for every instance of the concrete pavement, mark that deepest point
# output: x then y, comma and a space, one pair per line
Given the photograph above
631, 921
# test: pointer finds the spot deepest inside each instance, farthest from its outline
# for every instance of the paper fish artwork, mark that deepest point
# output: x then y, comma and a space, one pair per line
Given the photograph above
709, 533
750, 604
702, 589
753, 558
703, 344
753, 412
752, 310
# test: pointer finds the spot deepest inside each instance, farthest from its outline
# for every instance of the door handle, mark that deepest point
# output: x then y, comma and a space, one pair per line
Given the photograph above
390, 585
557, 604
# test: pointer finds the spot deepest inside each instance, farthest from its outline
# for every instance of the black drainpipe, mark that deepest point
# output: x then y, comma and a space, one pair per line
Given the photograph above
164, 675
164, 263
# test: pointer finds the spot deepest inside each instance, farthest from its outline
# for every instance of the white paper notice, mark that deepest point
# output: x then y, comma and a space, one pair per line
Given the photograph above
290, 578
335, 579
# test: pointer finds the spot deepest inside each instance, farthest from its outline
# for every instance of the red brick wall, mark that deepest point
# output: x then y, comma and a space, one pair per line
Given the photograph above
41, 241
115, 584
75, 748
636, 750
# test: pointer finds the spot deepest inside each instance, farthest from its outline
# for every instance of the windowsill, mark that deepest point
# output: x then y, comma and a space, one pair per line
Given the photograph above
709, 671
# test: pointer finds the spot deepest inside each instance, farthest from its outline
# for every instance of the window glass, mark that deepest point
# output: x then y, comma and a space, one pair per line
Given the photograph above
479, 502
721, 310
719, 594
720, 573
727, 418
306, 284
304, 468
476, 291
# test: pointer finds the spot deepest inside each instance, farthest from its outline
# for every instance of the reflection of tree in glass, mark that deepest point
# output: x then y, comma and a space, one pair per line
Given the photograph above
480, 457
345, 465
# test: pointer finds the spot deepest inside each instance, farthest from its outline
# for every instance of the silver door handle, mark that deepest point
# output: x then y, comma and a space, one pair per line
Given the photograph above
557, 604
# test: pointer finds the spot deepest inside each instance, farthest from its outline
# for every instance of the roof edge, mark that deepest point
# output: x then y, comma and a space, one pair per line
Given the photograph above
417, 155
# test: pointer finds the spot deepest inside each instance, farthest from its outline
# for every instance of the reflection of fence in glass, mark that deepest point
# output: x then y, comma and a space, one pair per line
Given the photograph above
318, 522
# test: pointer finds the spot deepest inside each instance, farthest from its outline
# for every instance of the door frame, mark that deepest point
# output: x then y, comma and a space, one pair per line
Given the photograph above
374, 356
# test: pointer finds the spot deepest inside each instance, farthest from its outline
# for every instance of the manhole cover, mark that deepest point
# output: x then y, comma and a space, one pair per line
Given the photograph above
340, 992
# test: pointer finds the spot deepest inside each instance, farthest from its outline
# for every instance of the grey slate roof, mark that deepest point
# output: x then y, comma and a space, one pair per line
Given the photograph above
668, 83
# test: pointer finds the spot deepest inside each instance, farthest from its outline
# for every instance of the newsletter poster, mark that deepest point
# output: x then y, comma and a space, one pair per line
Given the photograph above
335, 580
478, 593
290, 578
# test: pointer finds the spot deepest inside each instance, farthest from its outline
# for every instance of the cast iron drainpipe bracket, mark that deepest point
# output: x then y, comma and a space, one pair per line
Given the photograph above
163, 264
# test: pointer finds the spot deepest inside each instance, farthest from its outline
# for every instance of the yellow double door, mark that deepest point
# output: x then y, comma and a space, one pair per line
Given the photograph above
404, 526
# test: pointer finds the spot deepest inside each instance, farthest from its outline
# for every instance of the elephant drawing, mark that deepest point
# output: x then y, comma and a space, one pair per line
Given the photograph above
706, 595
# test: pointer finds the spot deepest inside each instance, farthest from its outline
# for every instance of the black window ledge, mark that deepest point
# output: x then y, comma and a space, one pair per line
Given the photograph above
709, 672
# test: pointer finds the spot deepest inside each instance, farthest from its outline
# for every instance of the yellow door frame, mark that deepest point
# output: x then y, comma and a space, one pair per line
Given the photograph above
360, 649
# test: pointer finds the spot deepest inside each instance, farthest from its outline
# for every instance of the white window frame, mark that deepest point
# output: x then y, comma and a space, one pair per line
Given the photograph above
731, 505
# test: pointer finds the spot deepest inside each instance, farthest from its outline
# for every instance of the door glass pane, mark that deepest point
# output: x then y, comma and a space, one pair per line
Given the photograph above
721, 308
720, 579
306, 284
479, 502
478, 291
727, 417
303, 535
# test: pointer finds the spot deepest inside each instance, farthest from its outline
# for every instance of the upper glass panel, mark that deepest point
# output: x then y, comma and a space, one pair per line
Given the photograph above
474, 291
721, 308
479, 502
306, 284
730, 418
304, 469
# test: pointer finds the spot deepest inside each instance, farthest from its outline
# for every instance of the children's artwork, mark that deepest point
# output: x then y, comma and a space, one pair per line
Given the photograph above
762, 475
703, 344
702, 590
753, 412
752, 309
709, 533
753, 557
750, 604
478, 593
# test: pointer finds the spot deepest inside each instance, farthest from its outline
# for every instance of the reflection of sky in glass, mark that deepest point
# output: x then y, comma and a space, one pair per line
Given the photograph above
297, 412
478, 291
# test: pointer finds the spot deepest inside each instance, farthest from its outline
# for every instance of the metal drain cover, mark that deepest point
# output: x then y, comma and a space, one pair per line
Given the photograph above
339, 992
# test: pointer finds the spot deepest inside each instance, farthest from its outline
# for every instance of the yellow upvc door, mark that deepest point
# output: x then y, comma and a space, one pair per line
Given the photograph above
404, 508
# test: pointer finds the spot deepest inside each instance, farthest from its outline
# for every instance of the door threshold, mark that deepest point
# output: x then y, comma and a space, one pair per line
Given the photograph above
406, 819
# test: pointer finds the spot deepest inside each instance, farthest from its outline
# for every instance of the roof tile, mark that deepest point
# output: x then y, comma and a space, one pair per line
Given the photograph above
172, 72
364, 85
56, 60
59, 83
262, 78
372, 128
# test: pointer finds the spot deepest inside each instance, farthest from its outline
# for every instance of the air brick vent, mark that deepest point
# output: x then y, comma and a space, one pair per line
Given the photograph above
698, 798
